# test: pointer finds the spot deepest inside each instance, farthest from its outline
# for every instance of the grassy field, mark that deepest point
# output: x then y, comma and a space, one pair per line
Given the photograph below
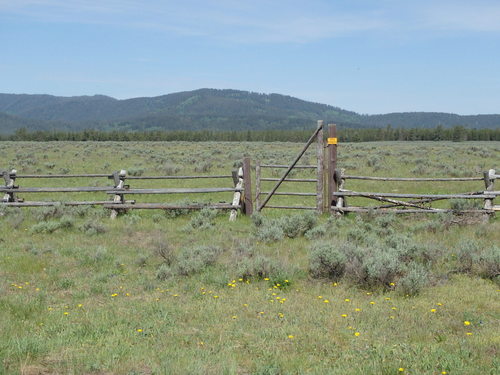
286, 293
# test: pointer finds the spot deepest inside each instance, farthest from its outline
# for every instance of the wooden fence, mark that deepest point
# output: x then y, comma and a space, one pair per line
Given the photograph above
333, 197
330, 192
417, 203
241, 191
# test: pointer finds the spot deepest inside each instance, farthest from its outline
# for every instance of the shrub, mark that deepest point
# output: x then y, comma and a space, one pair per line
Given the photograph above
92, 227
316, 232
480, 260
203, 167
170, 169
132, 218
203, 219
164, 250
79, 211
101, 255
382, 266
257, 219
458, 205
297, 225
327, 261
270, 232
413, 282
488, 263
164, 272
467, 253
257, 266
141, 261
45, 213
195, 259
135, 171
53, 225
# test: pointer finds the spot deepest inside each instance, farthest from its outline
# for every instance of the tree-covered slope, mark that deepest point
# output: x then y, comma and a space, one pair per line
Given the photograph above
203, 109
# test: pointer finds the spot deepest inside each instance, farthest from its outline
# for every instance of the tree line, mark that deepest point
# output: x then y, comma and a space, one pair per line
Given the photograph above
439, 133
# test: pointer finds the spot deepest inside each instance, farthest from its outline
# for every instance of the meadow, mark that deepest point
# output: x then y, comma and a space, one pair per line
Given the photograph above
282, 292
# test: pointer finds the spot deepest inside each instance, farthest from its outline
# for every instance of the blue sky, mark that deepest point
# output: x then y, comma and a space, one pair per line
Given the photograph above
370, 56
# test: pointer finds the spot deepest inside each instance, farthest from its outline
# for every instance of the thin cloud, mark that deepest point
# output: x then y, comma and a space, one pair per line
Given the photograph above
264, 21
476, 17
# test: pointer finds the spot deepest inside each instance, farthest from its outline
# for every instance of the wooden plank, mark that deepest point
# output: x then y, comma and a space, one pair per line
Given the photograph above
293, 207
172, 190
413, 179
320, 183
174, 177
332, 166
294, 163
50, 204
423, 201
290, 179
292, 193
86, 189
286, 166
166, 206
247, 185
64, 175
423, 196
408, 211
111, 176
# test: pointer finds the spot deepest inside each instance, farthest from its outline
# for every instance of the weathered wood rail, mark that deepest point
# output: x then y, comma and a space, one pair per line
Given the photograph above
241, 191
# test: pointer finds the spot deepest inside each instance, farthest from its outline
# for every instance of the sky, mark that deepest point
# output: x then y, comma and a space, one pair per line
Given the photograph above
369, 56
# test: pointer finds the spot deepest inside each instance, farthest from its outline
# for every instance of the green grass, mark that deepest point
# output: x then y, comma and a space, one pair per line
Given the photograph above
81, 302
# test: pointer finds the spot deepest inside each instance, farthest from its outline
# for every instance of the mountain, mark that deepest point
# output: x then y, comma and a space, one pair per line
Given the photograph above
202, 109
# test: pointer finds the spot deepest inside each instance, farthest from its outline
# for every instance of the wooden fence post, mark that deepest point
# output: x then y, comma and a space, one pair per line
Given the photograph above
341, 180
332, 165
10, 179
489, 183
238, 179
257, 184
247, 185
119, 180
320, 191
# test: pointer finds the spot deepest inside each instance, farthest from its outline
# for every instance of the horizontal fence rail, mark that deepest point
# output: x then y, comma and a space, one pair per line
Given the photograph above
420, 196
286, 166
406, 211
412, 179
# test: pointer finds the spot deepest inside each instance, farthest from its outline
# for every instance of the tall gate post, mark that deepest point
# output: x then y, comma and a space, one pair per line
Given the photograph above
320, 174
247, 186
332, 165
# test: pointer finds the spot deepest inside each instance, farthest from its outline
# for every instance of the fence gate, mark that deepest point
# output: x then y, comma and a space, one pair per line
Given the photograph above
333, 198
320, 207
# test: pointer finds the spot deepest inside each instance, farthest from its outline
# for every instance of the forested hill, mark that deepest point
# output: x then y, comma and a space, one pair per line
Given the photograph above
204, 109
